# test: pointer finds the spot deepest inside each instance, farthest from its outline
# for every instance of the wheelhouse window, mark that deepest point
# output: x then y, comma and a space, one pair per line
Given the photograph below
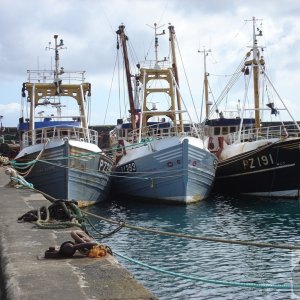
165, 130
232, 129
217, 130
224, 130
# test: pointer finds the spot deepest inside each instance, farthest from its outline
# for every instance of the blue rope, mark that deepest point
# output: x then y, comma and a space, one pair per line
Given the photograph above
14, 163
22, 181
213, 281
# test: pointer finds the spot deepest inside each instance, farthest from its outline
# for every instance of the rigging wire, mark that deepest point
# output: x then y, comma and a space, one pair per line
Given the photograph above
107, 19
132, 54
189, 88
247, 83
229, 85
110, 89
147, 53
119, 84
295, 122
202, 103
122, 88
212, 95
163, 12
124, 92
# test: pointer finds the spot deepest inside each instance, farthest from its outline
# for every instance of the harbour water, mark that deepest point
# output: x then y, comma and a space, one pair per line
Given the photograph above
247, 218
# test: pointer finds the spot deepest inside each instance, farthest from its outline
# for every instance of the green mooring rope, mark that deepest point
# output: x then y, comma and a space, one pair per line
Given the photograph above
22, 181
46, 224
214, 281
75, 218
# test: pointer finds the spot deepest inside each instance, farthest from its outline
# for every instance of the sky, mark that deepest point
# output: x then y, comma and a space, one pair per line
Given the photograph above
88, 29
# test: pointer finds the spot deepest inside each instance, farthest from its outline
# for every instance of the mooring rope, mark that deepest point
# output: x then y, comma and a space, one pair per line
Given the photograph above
212, 281
32, 163
45, 224
23, 182
134, 175
180, 235
196, 237
87, 154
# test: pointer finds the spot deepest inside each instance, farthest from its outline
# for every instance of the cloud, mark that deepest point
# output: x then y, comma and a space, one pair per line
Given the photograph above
10, 113
9, 108
88, 30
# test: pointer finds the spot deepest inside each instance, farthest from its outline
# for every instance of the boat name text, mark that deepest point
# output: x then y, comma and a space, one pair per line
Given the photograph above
129, 167
257, 162
104, 166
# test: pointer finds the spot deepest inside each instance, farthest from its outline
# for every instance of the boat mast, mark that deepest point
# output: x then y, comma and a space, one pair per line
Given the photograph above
174, 66
123, 39
255, 62
57, 46
57, 81
205, 54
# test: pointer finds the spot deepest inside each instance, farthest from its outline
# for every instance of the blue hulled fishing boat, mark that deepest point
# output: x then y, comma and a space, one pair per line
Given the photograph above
159, 156
59, 153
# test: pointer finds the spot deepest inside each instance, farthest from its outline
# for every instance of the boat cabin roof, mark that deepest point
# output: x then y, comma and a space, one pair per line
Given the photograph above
149, 124
229, 122
48, 123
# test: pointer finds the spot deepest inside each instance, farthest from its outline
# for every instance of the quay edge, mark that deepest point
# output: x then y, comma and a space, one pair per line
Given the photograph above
26, 274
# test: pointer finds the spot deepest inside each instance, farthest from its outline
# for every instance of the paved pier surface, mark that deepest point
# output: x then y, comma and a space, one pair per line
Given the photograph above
26, 274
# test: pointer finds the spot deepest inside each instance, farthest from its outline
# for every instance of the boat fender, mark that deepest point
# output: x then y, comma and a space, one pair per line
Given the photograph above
221, 146
221, 142
119, 150
211, 145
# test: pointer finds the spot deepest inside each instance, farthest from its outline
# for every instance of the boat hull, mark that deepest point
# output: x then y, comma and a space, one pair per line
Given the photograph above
70, 172
272, 170
182, 173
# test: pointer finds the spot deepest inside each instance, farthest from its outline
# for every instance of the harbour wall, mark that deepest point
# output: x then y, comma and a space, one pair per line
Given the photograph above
26, 274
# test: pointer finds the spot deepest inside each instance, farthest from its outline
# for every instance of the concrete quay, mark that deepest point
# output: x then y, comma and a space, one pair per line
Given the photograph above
26, 274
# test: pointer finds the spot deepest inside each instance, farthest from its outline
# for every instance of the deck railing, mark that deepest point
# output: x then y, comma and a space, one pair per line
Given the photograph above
271, 132
42, 135
47, 76
155, 131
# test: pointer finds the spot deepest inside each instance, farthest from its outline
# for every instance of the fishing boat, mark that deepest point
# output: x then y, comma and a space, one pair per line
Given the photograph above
256, 157
159, 156
59, 153
9, 146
